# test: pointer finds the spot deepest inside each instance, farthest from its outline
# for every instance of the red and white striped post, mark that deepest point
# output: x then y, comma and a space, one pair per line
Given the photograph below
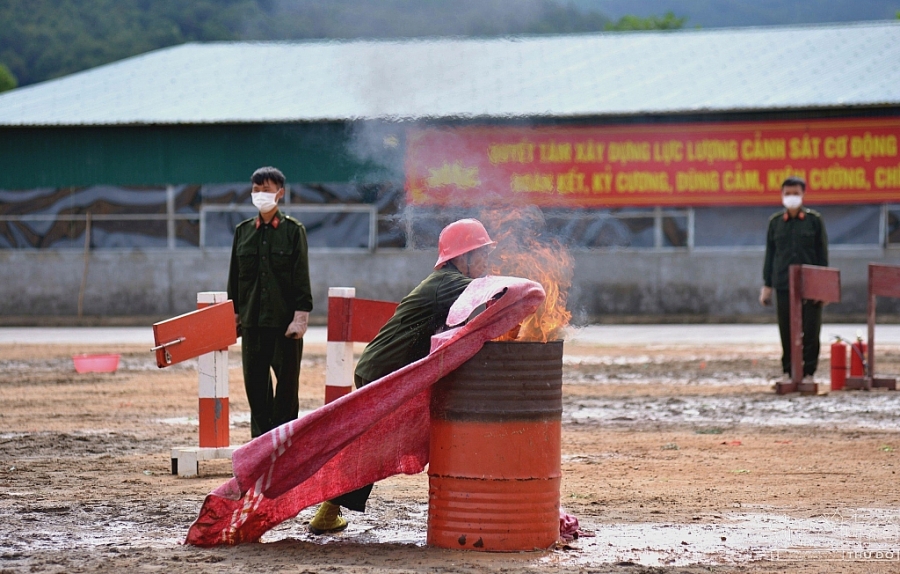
339, 347
350, 320
213, 387
213, 404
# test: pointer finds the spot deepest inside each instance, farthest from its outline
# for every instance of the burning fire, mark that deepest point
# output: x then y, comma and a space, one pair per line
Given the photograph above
522, 252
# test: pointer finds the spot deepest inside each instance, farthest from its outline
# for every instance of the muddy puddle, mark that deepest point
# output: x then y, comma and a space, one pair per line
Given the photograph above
731, 538
742, 537
875, 410
856, 409
726, 538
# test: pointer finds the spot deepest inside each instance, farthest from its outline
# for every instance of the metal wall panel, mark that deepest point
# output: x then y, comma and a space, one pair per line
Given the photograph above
160, 155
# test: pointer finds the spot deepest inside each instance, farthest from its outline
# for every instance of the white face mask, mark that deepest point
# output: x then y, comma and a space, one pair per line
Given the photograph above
792, 201
264, 202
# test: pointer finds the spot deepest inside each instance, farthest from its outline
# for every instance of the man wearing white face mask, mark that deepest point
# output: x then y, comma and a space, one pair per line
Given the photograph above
268, 281
796, 236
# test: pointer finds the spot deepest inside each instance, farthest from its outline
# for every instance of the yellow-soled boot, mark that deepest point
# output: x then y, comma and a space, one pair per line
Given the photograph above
327, 519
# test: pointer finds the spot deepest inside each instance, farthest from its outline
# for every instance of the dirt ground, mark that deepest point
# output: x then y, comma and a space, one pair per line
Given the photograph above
675, 459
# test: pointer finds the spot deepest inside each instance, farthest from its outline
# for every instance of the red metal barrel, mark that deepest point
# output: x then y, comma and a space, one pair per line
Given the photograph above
838, 365
494, 468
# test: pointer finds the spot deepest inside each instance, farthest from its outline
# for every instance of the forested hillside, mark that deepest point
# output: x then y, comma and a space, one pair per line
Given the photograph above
44, 39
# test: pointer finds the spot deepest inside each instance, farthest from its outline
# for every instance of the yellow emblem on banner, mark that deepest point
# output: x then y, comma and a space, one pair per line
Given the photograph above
453, 174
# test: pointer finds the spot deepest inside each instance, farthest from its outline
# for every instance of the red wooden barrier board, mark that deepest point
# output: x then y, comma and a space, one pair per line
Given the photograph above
806, 282
820, 283
884, 280
357, 320
193, 334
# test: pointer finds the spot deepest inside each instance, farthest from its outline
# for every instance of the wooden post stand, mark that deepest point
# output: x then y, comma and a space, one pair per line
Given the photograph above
206, 333
884, 281
350, 320
818, 284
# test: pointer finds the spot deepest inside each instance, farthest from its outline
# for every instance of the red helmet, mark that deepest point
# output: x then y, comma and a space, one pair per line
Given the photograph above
459, 238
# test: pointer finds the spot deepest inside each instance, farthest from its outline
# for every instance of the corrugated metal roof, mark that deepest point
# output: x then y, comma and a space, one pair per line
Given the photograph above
555, 76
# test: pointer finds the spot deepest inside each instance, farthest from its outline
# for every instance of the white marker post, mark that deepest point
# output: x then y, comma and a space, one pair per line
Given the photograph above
213, 405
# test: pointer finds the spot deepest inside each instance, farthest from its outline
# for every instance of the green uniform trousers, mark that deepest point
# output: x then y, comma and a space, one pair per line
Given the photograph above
263, 350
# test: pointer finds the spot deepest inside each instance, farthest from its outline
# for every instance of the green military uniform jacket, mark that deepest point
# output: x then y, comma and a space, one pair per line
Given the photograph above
793, 240
406, 337
268, 278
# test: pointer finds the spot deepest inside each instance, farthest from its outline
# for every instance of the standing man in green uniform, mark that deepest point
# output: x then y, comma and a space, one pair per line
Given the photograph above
463, 250
796, 236
268, 281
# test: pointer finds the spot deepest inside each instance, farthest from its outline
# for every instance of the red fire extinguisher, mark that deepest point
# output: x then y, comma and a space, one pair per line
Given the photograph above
858, 358
838, 365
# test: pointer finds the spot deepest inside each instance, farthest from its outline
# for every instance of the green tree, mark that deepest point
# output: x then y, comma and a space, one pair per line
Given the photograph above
632, 23
7, 80
558, 19
44, 39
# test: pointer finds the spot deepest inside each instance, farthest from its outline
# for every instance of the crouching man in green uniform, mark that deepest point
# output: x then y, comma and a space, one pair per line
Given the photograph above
796, 236
464, 247
268, 281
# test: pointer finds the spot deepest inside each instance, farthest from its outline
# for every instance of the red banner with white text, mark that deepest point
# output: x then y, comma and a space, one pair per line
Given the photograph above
843, 161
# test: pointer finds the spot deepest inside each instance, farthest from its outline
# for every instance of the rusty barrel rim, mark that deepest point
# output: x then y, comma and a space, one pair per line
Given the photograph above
507, 380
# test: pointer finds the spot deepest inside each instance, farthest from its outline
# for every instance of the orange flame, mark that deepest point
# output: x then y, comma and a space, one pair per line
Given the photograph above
522, 252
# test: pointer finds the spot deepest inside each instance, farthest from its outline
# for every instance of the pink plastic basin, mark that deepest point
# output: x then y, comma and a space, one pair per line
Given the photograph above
96, 363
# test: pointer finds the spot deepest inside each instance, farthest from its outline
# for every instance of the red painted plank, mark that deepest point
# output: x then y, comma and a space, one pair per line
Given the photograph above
334, 393
202, 331
367, 316
821, 283
884, 280
214, 421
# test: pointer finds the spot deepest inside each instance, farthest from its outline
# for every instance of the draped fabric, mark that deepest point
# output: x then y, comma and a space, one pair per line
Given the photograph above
370, 434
